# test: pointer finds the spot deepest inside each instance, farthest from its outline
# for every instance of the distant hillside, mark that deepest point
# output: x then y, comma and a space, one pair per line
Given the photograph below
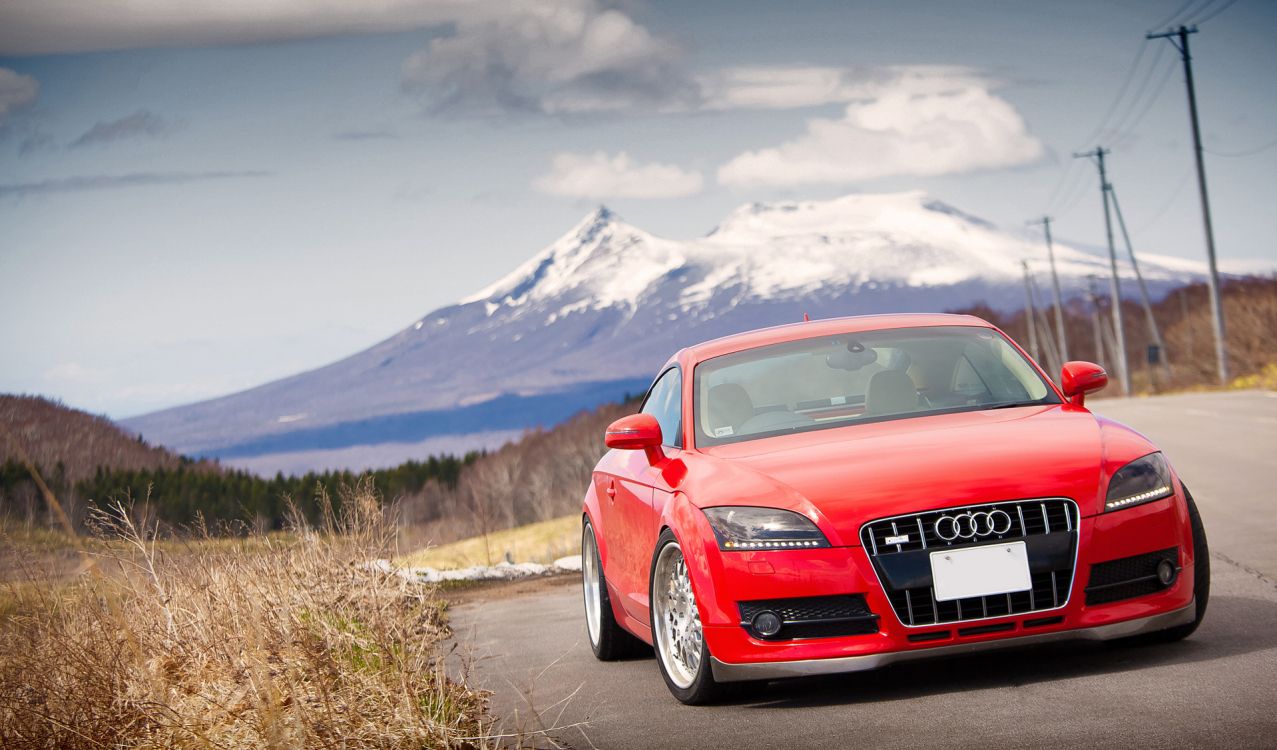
52, 433
86, 459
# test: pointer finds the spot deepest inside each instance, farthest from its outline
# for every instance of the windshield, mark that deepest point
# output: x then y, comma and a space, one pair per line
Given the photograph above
834, 381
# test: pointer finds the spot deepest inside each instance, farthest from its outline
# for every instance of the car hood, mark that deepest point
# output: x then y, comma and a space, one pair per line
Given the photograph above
843, 477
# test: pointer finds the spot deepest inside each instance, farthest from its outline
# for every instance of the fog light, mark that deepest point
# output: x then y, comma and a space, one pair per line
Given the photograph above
1166, 572
766, 623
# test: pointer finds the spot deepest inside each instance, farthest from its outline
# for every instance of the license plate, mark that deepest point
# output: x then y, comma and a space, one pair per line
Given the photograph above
980, 571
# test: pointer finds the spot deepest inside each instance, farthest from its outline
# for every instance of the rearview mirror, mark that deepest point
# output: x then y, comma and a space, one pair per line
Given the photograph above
637, 432
1080, 378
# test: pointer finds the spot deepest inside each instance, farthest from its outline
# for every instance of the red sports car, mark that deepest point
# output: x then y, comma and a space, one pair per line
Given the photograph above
840, 495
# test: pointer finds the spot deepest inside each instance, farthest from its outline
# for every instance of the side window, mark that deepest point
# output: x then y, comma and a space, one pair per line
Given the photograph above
665, 402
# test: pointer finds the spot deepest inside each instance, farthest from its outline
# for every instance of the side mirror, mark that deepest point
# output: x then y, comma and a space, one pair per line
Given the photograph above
1080, 378
637, 432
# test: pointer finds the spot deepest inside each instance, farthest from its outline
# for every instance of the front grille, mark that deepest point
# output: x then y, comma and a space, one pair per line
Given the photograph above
813, 616
900, 549
1127, 577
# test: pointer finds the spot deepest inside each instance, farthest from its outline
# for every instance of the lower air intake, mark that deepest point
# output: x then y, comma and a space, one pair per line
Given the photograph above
812, 617
1128, 577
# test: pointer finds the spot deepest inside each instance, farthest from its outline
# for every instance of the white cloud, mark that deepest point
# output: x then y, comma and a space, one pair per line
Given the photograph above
599, 176
790, 87
16, 91
561, 57
921, 122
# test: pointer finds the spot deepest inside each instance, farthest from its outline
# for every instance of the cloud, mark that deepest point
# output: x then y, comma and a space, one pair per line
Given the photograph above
109, 182
34, 27
561, 57
795, 86
16, 91
599, 176
919, 122
36, 141
142, 123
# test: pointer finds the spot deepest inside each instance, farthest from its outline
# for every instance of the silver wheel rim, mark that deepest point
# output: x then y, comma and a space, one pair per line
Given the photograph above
590, 583
678, 624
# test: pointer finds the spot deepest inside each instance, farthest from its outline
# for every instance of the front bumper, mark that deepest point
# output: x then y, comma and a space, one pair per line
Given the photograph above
778, 670
737, 577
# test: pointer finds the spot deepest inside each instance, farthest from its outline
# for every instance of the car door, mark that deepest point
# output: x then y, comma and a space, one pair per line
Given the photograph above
639, 518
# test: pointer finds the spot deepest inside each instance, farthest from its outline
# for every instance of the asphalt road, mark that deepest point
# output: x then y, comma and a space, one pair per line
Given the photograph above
1216, 689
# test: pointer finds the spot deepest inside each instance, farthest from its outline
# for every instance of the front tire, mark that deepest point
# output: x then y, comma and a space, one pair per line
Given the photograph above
677, 633
608, 640
1201, 578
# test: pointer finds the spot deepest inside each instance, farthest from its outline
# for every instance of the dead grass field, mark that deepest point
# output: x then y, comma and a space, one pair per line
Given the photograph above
280, 641
542, 542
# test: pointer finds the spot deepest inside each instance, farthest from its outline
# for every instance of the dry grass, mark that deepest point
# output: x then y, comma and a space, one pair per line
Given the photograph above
542, 542
270, 642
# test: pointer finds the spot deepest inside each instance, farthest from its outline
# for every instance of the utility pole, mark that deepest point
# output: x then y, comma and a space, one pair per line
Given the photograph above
1148, 306
1103, 347
1051, 351
1029, 316
1217, 306
1115, 288
1045, 221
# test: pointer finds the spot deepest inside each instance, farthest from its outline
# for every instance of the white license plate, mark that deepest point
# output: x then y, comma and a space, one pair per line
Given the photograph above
980, 571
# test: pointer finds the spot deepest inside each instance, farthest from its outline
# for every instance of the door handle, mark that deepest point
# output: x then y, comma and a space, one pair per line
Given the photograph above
611, 489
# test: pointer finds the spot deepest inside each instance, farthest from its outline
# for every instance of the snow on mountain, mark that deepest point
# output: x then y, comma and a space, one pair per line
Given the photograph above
594, 314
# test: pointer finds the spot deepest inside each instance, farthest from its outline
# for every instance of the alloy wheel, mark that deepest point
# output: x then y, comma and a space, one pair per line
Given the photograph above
590, 584
679, 636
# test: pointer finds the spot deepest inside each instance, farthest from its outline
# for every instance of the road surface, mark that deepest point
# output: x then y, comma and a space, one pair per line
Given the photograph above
1216, 689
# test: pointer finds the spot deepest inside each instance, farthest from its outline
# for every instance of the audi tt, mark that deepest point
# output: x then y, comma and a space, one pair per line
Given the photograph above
839, 495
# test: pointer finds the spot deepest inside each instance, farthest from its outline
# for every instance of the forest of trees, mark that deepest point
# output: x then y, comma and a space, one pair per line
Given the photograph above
440, 498
189, 493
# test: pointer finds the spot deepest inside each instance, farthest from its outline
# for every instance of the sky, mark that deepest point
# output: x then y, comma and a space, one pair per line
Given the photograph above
195, 200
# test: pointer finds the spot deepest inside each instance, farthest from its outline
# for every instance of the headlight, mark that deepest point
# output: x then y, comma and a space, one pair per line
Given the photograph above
748, 528
1141, 481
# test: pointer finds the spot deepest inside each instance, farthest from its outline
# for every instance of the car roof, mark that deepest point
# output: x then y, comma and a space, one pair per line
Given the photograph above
816, 328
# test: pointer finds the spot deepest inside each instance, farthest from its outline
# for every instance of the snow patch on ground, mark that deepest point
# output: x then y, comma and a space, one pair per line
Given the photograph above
502, 571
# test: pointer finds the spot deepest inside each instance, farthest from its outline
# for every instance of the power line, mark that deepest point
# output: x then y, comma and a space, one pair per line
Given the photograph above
1216, 12
1171, 18
1121, 92
1069, 172
1166, 205
1186, 18
1127, 131
1076, 195
1249, 152
1139, 94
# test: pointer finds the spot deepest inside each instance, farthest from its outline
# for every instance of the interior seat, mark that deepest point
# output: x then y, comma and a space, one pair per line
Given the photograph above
890, 392
729, 405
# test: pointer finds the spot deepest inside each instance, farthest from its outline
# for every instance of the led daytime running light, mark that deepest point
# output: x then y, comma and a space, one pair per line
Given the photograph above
1153, 493
768, 545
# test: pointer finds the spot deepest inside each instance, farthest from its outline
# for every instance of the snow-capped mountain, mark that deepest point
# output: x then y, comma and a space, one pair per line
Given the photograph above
593, 316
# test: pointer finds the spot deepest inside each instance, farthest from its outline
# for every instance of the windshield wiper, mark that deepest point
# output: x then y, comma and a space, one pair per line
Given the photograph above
1011, 404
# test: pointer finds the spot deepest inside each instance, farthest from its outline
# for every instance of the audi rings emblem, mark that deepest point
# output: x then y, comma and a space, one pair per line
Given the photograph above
972, 525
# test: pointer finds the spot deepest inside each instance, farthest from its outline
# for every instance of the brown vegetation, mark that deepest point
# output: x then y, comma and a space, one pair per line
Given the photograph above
1250, 311
52, 433
261, 642
542, 476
